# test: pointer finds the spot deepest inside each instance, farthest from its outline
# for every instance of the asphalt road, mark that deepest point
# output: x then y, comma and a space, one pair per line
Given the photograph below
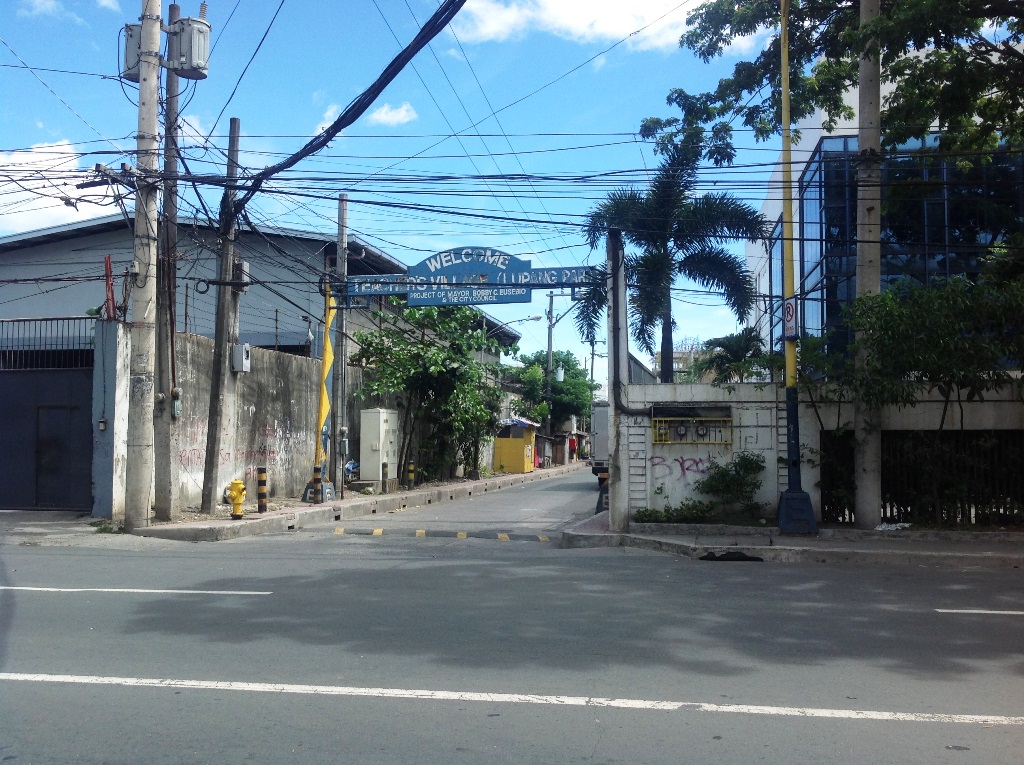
320, 647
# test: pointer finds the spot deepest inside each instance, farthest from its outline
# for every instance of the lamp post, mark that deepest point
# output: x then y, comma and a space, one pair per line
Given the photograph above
795, 511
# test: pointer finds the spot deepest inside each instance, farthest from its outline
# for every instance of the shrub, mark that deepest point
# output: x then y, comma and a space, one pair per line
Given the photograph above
736, 482
647, 515
690, 511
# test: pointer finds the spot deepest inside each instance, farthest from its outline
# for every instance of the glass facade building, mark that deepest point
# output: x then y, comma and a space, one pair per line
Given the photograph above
940, 216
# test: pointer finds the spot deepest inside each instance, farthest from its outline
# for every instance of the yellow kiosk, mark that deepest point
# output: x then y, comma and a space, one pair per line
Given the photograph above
515, 446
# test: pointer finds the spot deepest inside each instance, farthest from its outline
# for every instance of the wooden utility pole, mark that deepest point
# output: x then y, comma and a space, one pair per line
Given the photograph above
139, 469
222, 390
167, 391
867, 455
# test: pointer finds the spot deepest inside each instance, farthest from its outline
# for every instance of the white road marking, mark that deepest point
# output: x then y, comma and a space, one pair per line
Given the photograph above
512, 698
139, 591
978, 611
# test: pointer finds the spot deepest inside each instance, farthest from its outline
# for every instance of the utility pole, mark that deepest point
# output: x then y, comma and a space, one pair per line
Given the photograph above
795, 512
222, 393
167, 391
139, 469
339, 434
618, 377
867, 428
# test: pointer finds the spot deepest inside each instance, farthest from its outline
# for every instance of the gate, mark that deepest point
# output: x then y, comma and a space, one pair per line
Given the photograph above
46, 411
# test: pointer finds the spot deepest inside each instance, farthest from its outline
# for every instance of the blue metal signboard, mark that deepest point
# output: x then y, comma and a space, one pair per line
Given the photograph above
469, 276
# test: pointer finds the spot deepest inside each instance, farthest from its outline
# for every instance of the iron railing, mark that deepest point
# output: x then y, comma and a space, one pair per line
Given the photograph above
53, 343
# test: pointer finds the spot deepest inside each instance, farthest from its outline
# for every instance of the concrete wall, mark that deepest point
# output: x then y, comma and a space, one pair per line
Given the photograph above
110, 376
276, 416
664, 474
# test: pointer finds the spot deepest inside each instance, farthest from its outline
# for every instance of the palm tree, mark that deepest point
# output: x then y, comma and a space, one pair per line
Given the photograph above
729, 359
678, 234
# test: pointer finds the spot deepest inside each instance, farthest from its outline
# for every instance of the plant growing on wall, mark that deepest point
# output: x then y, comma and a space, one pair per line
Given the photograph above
429, 359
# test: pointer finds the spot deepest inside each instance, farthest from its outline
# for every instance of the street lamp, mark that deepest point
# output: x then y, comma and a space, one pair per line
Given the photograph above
500, 325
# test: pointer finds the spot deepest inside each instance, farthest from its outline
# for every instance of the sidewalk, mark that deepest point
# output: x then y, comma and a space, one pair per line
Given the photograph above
945, 549
293, 514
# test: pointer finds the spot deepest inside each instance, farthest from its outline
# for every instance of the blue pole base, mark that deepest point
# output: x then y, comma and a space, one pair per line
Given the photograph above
309, 494
796, 514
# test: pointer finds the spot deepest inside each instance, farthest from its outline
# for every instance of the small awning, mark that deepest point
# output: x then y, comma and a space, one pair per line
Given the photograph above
519, 422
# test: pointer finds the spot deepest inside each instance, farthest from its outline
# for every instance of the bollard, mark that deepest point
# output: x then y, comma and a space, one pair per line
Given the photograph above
318, 486
383, 478
261, 494
411, 476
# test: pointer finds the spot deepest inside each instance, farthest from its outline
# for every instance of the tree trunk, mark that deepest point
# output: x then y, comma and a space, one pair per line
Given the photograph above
667, 361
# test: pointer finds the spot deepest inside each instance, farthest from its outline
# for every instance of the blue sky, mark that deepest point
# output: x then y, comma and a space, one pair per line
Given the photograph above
545, 95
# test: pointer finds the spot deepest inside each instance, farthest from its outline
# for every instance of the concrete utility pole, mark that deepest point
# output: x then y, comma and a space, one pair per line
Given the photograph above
167, 392
618, 377
867, 454
222, 393
139, 471
339, 434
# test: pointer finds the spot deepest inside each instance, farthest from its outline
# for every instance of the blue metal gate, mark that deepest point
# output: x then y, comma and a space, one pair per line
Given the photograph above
46, 413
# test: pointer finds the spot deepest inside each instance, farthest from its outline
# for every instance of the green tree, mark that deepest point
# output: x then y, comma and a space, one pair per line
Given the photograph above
953, 64
571, 396
428, 358
732, 358
678, 234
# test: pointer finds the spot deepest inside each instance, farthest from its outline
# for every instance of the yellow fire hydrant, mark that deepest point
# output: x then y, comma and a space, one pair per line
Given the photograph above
236, 493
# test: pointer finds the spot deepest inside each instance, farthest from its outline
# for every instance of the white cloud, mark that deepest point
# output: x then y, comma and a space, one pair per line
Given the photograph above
390, 115
47, 195
54, 8
580, 20
110, 5
329, 117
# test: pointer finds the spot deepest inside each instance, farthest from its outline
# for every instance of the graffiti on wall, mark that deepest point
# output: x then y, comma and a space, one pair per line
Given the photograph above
683, 469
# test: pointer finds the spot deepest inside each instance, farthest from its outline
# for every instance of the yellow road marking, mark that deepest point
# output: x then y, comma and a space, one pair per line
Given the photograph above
542, 538
421, 532
460, 535
503, 537
378, 532
339, 531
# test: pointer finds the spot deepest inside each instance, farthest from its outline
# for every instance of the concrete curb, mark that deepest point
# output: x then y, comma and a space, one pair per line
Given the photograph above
297, 516
745, 547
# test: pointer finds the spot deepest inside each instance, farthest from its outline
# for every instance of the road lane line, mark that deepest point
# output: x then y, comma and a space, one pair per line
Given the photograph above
978, 611
512, 698
136, 591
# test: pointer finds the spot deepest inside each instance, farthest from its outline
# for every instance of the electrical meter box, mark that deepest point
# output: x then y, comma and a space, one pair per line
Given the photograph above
378, 443
192, 49
132, 52
241, 357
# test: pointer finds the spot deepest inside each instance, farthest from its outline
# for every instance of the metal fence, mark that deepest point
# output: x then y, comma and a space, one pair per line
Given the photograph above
947, 478
57, 343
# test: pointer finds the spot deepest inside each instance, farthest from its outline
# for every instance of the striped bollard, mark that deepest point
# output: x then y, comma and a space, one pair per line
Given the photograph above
318, 486
261, 496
